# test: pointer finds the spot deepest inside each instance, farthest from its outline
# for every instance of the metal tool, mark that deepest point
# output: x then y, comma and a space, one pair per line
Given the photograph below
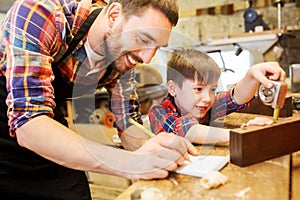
274, 97
279, 4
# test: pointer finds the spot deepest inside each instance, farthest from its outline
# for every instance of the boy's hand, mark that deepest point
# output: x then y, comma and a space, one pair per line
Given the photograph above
264, 72
258, 121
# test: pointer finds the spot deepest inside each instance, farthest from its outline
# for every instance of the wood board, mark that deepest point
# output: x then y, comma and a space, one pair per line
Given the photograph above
266, 180
256, 144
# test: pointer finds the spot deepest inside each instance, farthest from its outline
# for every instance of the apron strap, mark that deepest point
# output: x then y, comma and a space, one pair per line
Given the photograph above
63, 88
84, 28
3, 109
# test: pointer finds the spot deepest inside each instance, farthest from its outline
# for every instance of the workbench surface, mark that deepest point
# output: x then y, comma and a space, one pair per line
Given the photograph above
271, 179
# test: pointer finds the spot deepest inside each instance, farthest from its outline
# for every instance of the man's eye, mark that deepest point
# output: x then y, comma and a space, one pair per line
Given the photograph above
143, 40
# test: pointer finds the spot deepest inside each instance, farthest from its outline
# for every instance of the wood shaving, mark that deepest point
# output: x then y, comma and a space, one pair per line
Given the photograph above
213, 179
152, 193
243, 192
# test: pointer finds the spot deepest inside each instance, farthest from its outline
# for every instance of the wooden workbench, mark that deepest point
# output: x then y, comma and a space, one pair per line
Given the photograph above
277, 178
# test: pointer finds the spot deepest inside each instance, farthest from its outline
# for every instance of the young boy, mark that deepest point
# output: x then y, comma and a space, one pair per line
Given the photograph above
192, 102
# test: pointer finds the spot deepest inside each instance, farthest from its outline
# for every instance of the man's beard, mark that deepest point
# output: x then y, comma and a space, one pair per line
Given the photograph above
112, 50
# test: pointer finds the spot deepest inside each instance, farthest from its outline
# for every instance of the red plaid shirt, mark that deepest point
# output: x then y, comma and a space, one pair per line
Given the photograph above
32, 34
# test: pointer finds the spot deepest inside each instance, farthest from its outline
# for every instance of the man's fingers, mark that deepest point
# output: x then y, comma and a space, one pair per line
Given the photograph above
158, 173
192, 149
179, 144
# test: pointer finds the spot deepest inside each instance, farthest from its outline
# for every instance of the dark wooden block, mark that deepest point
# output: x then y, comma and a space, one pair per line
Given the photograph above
257, 107
256, 144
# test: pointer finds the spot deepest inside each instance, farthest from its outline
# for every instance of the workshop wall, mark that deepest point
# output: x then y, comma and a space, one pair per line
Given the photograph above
207, 26
2, 15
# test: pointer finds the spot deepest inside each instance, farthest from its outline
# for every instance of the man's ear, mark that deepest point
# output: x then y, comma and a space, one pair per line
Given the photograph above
114, 13
171, 88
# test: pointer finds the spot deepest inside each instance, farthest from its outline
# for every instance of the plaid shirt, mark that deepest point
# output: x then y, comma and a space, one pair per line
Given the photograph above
166, 117
32, 35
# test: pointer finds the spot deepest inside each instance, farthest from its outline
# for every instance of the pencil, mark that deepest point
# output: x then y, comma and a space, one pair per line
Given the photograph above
142, 128
147, 132
276, 113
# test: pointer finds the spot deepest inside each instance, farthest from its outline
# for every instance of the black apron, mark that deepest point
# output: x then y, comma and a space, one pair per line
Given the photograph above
26, 175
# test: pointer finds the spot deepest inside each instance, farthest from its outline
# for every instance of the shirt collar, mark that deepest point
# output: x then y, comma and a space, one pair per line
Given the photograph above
93, 57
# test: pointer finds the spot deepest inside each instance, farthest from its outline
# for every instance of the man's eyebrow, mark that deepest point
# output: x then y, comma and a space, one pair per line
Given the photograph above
148, 36
164, 45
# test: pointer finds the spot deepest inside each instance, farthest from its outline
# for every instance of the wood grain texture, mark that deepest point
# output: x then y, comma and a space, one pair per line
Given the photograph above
267, 180
257, 107
295, 182
255, 144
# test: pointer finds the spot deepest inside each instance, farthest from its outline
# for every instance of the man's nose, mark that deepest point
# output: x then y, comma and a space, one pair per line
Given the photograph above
147, 54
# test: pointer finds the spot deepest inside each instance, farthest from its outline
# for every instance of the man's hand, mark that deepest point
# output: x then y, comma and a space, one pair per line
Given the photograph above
152, 157
159, 155
133, 138
169, 146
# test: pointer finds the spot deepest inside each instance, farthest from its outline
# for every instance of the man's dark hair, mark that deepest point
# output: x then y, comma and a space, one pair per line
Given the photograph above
136, 7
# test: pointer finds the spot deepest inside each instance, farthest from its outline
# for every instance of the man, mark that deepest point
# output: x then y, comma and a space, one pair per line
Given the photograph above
39, 157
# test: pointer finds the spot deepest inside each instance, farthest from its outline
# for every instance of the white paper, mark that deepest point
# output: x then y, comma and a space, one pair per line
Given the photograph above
201, 165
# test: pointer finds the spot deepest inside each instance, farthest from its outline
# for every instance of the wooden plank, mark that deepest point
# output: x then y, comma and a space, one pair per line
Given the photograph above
227, 9
268, 180
266, 32
257, 107
255, 144
188, 13
100, 192
243, 5
296, 176
192, 8
108, 180
196, 4
261, 3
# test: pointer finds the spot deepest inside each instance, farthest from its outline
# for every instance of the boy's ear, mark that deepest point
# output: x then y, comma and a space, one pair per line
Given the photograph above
114, 13
171, 88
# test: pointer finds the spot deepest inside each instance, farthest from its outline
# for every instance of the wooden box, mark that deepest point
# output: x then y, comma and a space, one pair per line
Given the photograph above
256, 144
257, 107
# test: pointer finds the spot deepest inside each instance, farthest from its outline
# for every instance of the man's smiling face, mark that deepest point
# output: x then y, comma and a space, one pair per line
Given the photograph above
137, 38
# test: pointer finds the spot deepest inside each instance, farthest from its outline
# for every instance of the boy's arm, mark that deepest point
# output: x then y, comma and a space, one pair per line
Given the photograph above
260, 73
162, 120
202, 134
186, 126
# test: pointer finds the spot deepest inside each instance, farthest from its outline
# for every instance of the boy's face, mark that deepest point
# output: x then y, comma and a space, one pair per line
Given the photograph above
194, 98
